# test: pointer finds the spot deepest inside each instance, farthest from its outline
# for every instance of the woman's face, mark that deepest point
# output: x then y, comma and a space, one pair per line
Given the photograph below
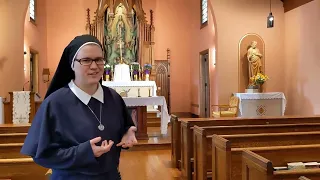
87, 73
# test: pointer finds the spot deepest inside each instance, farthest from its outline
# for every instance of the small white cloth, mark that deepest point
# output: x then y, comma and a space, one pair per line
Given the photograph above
21, 107
152, 101
121, 73
1, 111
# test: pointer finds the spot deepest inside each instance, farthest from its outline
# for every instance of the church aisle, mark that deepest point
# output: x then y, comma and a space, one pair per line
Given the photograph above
147, 165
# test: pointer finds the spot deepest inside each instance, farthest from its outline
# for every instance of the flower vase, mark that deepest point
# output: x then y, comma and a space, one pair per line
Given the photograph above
260, 88
147, 77
107, 77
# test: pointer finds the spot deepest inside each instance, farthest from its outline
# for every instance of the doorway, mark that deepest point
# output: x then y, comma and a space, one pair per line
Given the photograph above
204, 84
34, 83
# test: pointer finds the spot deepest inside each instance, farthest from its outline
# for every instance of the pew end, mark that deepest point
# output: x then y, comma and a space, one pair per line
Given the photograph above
221, 157
200, 159
255, 167
175, 141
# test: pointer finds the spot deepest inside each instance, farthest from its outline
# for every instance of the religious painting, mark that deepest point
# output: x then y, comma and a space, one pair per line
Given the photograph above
120, 34
251, 59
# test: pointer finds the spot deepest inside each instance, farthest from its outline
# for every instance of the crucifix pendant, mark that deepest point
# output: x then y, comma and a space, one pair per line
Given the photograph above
101, 127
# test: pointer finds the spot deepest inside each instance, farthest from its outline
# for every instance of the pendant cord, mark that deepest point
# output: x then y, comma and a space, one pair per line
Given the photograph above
270, 6
99, 120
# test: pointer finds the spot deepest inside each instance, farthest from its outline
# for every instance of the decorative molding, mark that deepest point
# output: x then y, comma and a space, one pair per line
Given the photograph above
239, 57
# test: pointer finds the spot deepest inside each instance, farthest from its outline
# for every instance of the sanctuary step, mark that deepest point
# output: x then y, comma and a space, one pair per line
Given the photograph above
153, 120
11, 128
12, 138
11, 150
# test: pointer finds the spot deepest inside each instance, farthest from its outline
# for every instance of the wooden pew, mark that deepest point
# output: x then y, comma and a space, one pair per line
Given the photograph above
21, 169
12, 138
203, 139
259, 163
226, 157
186, 130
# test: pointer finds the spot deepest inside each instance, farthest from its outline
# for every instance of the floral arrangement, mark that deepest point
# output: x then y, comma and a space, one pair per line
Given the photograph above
259, 79
135, 68
147, 68
107, 69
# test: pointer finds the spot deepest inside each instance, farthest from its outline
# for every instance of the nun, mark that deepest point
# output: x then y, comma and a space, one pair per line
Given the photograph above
81, 126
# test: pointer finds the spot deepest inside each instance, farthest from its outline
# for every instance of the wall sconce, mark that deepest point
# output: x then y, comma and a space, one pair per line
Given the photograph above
45, 75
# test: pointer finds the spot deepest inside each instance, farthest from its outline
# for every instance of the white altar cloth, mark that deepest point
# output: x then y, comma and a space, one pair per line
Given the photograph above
152, 101
21, 107
133, 86
1, 111
261, 104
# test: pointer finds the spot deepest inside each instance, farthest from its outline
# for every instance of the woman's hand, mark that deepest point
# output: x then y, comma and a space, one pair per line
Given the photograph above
129, 139
99, 150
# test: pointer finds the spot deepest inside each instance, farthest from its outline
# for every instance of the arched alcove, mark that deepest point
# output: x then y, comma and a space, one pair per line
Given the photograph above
243, 63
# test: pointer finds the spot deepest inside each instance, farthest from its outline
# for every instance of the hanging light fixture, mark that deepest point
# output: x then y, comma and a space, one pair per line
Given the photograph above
270, 19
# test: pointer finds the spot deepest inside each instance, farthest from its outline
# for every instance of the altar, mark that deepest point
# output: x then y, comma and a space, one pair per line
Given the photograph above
133, 88
261, 104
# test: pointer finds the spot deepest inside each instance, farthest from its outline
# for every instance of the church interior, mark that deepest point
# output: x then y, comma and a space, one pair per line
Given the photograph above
218, 89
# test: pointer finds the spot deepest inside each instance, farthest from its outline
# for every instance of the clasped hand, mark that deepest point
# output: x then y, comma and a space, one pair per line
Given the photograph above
128, 140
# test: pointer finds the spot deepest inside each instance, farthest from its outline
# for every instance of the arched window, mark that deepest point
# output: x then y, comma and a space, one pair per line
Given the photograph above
204, 12
32, 9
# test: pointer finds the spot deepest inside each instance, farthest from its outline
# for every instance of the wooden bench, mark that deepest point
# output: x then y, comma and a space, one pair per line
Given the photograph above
186, 131
226, 158
21, 169
12, 138
259, 163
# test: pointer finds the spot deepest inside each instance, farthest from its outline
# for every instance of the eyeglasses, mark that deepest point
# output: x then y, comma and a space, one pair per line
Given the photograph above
88, 61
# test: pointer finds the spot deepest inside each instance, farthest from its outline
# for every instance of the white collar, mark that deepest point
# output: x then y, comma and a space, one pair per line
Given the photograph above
85, 97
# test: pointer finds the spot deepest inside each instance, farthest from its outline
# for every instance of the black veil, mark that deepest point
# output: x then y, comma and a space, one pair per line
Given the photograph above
64, 73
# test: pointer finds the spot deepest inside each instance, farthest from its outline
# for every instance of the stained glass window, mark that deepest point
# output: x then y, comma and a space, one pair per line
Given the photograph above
32, 10
204, 11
